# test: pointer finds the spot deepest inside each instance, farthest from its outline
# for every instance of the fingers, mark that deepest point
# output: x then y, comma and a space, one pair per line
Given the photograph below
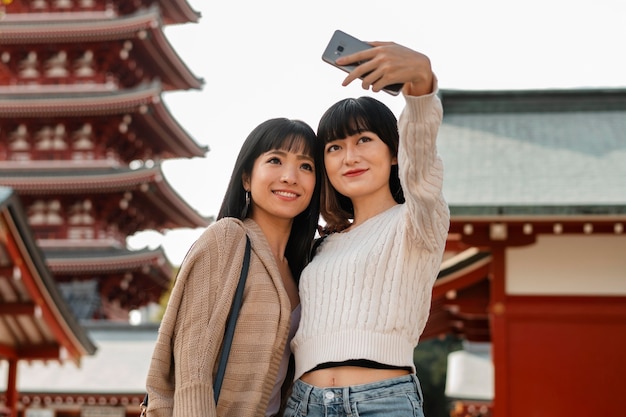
368, 72
389, 63
361, 59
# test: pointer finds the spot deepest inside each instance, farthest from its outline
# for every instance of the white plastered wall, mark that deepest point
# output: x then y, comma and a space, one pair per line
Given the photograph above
576, 265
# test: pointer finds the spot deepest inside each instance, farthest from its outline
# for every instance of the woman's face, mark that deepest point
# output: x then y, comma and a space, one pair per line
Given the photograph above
281, 184
359, 165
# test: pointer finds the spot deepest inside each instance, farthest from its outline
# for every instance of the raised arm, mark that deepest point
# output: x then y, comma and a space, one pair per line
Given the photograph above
421, 170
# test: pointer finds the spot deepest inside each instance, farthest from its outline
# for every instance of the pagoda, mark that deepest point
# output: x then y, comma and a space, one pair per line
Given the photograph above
83, 133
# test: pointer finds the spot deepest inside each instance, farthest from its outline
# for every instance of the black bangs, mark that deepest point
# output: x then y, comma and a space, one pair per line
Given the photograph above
291, 137
296, 144
355, 115
347, 117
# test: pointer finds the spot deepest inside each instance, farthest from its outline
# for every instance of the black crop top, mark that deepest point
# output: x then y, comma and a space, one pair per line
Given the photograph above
362, 363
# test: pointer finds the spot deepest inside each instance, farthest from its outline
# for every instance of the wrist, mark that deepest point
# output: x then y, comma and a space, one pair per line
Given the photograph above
419, 88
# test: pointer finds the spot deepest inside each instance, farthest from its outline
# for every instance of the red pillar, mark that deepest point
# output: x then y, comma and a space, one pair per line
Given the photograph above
11, 394
498, 331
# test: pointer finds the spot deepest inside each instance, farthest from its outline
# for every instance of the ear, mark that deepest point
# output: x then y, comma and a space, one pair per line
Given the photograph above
245, 181
394, 160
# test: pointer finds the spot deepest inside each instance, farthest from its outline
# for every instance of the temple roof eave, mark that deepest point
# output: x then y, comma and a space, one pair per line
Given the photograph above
468, 269
42, 290
21, 103
149, 181
179, 11
537, 211
105, 261
61, 30
532, 101
170, 132
164, 55
144, 27
143, 101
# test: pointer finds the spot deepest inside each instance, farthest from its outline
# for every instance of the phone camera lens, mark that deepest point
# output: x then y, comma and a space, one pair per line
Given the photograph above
340, 48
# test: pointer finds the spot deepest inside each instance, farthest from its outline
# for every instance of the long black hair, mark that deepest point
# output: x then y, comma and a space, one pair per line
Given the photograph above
288, 135
349, 117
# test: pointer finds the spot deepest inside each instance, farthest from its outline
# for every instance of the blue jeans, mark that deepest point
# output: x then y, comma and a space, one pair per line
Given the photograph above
395, 397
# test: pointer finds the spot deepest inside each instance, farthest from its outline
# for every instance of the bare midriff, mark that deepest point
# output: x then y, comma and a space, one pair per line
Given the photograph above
342, 376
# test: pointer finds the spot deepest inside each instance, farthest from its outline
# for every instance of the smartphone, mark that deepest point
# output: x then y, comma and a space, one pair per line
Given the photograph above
343, 44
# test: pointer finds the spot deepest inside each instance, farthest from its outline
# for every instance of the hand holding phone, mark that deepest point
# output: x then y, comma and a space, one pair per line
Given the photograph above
342, 44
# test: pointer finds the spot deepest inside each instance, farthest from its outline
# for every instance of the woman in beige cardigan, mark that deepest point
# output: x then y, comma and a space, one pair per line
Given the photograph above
273, 198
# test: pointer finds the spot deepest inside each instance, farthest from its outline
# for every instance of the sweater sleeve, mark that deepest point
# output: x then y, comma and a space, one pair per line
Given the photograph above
180, 377
421, 170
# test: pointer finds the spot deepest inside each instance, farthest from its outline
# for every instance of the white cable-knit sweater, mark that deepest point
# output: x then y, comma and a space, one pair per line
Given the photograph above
367, 292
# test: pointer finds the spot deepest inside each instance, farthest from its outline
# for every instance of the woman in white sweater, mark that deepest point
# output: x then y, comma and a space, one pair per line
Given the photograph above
365, 296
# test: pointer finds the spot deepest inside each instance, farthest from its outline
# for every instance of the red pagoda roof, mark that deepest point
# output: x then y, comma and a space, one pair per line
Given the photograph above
178, 11
134, 278
144, 102
148, 186
35, 321
174, 11
107, 260
144, 28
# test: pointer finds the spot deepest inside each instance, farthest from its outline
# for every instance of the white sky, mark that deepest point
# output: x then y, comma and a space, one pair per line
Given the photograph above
262, 60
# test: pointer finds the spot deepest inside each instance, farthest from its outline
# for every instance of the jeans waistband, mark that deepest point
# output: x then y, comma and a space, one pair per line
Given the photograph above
336, 395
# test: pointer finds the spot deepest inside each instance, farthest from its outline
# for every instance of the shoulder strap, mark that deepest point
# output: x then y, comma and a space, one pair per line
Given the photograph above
232, 321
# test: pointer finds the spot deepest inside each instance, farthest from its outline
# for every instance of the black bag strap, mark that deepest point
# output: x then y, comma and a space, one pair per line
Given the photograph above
230, 329
232, 321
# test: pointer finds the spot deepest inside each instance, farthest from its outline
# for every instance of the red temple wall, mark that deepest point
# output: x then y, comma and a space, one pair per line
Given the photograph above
564, 357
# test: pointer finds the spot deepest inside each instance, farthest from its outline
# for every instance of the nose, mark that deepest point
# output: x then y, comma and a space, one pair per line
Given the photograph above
352, 155
288, 176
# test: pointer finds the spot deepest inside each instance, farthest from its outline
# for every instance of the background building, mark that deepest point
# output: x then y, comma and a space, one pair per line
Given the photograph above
35, 321
83, 132
537, 287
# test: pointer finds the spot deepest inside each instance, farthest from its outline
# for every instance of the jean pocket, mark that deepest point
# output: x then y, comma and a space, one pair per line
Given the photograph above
389, 406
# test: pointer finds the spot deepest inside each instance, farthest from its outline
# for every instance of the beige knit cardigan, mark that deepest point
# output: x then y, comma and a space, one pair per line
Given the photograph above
180, 378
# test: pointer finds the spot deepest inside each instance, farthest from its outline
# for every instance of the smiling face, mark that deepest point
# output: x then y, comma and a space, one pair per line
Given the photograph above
362, 123
359, 166
281, 185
